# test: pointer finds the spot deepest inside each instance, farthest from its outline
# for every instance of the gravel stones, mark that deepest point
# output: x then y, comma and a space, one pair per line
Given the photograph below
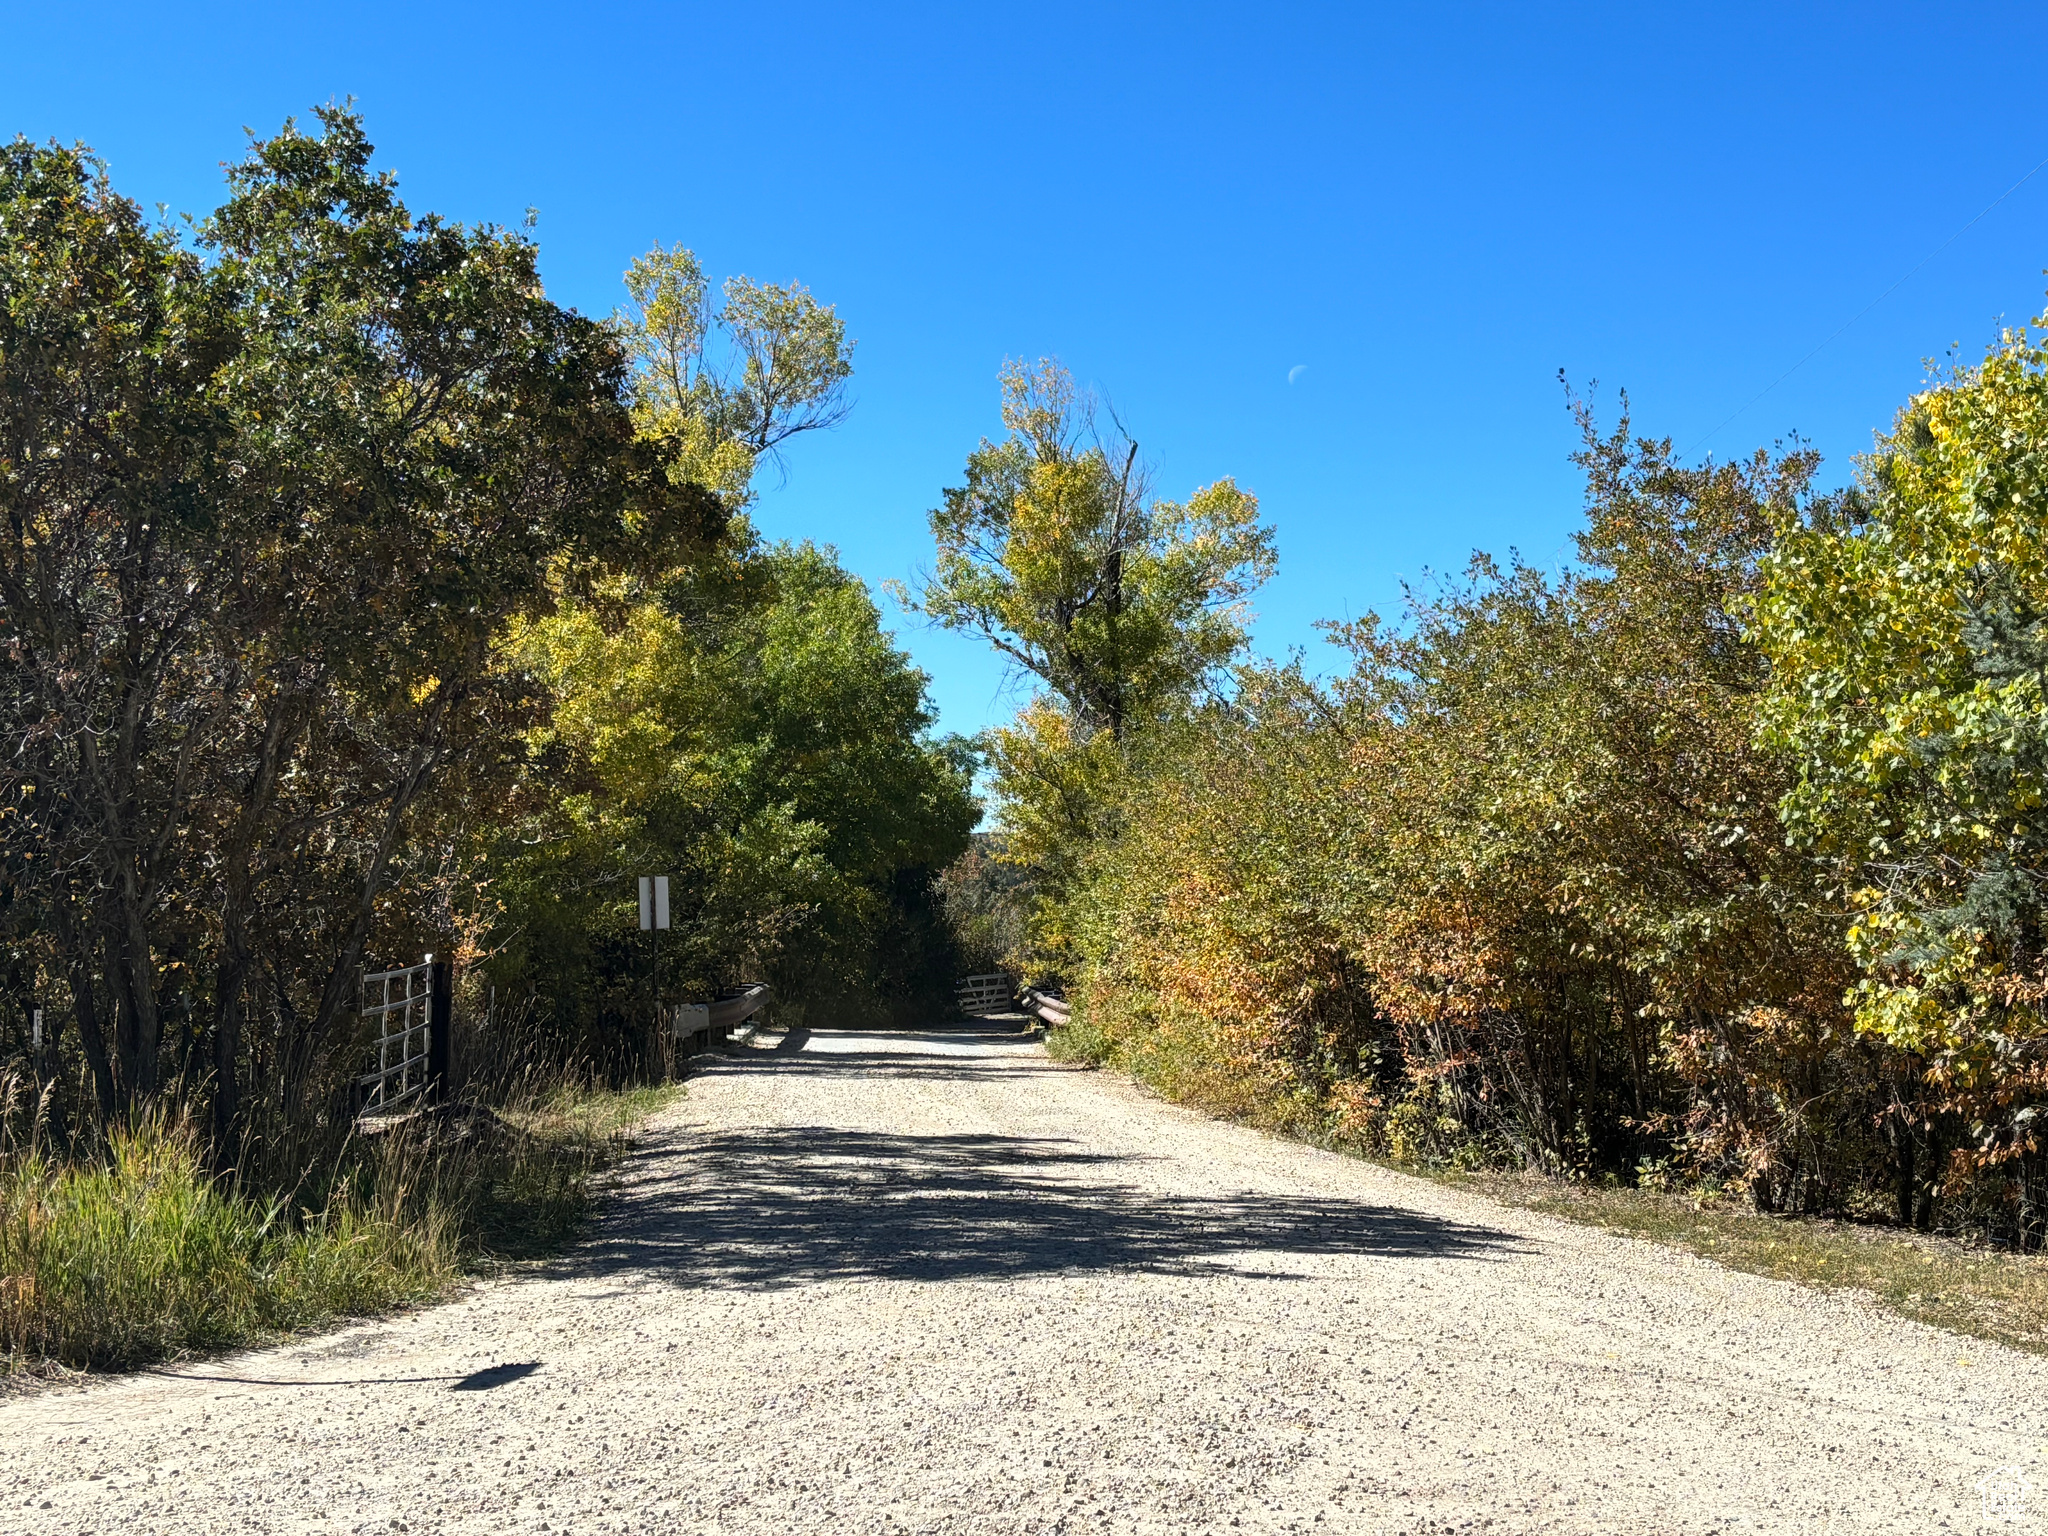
933, 1282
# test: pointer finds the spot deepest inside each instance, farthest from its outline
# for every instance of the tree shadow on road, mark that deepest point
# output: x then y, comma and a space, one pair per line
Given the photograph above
791, 1206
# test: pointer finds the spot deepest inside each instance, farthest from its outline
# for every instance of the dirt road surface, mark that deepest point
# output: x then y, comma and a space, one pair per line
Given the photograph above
932, 1282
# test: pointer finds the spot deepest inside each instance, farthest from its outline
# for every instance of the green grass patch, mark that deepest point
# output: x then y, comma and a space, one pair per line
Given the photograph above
534, 1194
139, 1254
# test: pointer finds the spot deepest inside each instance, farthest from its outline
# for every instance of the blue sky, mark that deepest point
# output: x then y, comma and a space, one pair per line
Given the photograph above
1429, 209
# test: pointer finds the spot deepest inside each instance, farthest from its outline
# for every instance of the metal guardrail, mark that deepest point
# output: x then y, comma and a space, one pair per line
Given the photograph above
1050, 1009
715, 1019
998, 992
983, 995
735, 1005
411, 1008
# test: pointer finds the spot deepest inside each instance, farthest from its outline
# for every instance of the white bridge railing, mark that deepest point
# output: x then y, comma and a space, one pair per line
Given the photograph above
998, 992
410, 1011
410, 1006
714, 1020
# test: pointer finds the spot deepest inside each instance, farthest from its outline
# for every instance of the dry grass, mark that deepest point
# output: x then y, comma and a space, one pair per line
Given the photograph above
138, 1254
1965, 1288
1982, 1292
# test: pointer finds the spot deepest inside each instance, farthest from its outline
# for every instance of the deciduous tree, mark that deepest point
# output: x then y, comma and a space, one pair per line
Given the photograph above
1908, 630
1053, 551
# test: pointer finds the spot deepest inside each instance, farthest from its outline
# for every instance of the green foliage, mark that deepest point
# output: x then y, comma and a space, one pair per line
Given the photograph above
112, 480
735, 719
1211, 964
355, 590
1123, 609
1905, 628
525, 1188
1120, 606
984, 897
270, 505
358, 600
750, 731
1509, 891
1582, 872
725, 387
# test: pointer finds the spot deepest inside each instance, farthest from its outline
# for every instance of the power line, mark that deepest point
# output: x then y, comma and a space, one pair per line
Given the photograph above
1866, 309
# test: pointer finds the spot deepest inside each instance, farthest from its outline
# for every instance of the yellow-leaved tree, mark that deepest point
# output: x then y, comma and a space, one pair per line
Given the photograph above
737, 721
1907, 630
1120, 608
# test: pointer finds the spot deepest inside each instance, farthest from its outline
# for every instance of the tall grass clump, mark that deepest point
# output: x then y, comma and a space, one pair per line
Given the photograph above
529, 1190
137, 1250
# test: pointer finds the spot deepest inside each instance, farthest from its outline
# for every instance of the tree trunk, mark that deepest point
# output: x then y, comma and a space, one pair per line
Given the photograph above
288, 716
140, 1025
74, 940
336, 993
1906, 1147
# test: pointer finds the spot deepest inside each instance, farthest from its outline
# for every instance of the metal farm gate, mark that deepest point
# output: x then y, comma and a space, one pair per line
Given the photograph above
982, 995
410, 1009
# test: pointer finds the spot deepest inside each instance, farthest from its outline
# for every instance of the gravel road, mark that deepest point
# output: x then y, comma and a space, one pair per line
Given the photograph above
932, 1282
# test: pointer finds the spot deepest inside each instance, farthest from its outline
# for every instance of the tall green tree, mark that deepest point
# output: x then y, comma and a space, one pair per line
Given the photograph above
727, 385
1121, 607
736, 719
271, 503
122, 518
425, 436
1908, 632
1054, 552
755, 735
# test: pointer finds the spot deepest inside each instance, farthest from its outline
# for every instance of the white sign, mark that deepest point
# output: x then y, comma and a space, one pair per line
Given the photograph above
653, 901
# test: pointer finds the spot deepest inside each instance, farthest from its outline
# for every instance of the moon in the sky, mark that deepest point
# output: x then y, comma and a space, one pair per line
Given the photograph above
1296, 372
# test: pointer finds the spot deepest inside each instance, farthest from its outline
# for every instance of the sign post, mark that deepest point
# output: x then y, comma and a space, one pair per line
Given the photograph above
654, 918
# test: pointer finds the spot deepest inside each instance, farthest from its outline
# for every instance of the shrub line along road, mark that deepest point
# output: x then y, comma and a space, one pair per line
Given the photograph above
932, 1282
